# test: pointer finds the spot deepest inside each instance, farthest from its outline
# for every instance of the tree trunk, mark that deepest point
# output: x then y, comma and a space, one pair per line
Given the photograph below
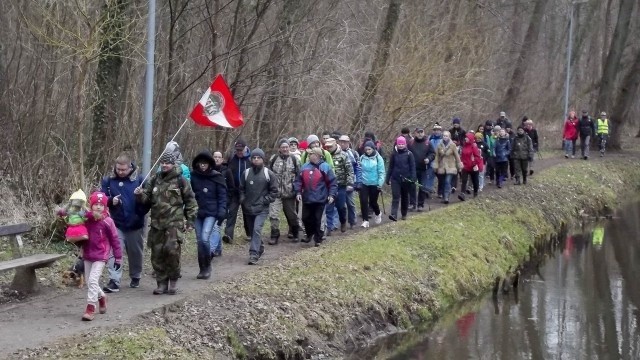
108, 72
627, 95
361, 120
612, 66
527, 52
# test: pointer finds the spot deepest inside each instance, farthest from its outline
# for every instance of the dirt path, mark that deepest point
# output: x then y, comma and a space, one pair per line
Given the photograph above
46, 318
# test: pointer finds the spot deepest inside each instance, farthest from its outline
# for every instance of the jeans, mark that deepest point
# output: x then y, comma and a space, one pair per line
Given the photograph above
234, 206
481, 179
570, 147
369, 198
131, 243
430, 178
256, 222
444, 185
419, 191
584, 145
501, 172
400, 194
351, 207
207, 235
341, 205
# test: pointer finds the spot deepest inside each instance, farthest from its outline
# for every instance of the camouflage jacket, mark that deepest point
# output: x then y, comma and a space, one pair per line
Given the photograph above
343, 168
286, 170
170, 201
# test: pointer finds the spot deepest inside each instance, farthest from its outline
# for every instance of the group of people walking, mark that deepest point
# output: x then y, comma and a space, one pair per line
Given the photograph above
313, 182
585, 129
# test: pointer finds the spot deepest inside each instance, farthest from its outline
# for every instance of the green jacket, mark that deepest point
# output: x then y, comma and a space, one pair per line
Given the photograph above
326, 155
171, 200
286, 169
522, 147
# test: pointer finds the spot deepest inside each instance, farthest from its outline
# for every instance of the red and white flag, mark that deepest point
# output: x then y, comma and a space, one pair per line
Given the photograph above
217, 107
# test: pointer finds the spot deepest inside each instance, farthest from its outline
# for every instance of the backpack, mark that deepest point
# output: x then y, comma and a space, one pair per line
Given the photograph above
264, 169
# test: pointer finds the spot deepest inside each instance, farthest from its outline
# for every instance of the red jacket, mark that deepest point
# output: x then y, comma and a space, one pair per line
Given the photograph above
570, 131
471, 155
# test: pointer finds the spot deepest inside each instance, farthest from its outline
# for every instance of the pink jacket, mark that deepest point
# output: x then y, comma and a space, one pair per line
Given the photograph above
103, 237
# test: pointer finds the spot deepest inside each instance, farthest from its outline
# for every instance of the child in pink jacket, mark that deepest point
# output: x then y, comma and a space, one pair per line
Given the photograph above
102, 237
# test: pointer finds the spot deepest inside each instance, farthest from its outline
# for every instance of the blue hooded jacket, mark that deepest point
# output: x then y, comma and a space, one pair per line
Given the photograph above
129, 214
502, 148
210, 189
315, 183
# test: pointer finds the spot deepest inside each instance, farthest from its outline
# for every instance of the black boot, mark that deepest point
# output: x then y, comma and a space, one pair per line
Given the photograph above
275, 235
517, 180
200, 265
206, 272
524, 179
295, 234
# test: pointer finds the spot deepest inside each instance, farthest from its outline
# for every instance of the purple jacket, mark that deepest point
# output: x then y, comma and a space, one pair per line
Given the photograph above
103, 236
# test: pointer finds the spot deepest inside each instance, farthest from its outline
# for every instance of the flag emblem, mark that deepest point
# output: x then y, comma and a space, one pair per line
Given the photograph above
217, 107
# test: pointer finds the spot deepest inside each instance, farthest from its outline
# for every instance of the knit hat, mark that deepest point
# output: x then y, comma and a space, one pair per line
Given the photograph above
520, 128
303, 145
79, 195
437, 126
98, 197
283, 141
479, 136
257, 152
456, 120
370, 144
344, 138
497, 128
173, 148
401, 140
419, 128
293, 140
312, 138
603, 114
503, 114
405, 130
167, 158
488, 123
368, 135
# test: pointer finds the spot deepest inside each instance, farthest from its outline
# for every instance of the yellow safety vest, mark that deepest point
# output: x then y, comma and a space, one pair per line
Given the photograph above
603, 126
598, 236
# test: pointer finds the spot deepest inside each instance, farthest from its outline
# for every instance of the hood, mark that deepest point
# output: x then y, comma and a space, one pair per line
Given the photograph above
132, 175
471, 139
337, 151
203, 155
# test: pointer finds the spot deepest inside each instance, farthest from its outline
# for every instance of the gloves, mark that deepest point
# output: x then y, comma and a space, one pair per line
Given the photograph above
219, 221
299, 197
530, 158
330, 199
379, 188
117, 266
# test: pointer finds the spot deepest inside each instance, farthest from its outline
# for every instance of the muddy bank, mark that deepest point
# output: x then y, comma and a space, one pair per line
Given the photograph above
325, 302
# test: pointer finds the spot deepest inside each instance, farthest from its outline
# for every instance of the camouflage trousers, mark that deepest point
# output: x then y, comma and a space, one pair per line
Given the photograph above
166, 249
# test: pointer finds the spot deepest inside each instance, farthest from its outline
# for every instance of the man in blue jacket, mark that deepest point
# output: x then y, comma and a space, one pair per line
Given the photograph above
128, 215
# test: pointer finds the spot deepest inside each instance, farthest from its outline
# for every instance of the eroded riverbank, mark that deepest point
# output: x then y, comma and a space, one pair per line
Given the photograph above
329, 301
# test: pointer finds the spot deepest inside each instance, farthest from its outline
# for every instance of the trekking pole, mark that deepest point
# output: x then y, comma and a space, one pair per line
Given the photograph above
539, 155
384, 211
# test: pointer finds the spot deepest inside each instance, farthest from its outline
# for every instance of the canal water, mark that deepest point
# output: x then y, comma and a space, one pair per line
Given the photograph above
583, 302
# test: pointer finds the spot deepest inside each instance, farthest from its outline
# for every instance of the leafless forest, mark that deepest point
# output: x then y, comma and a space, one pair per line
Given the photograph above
72, 72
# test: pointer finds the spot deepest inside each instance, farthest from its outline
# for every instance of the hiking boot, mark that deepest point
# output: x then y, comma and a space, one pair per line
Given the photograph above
365, 224
307, 239
461, 197
393, 218
453, 190
111, 287
317, 241
275, 236
404, 217
517, 182
290, 234
530, 172
161, 289
566, 156
102, 304
89, 313
247, 238
135, 283
351, 226
573, 156
446, 201
378, 219
343, 227
173, 287
585, 157
253, 259
412, 208
227, 239
328, 232
601, 154
420, 208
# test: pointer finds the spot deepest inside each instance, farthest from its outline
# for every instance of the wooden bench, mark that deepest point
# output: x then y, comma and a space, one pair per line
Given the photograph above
24, 279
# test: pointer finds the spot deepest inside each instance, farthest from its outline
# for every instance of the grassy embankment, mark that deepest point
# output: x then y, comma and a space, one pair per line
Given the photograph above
326, 300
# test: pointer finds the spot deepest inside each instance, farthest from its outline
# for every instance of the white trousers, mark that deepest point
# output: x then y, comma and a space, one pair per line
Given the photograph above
92, 273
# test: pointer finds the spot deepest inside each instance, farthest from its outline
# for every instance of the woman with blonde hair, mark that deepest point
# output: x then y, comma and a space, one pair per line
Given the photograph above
448, 164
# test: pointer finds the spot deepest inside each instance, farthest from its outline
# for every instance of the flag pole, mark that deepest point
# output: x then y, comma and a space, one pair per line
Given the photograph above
158, 159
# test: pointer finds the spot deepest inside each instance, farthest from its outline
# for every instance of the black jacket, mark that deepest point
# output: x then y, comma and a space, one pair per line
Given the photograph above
422, 149
210, 189
586, 126
232, 188
402, 166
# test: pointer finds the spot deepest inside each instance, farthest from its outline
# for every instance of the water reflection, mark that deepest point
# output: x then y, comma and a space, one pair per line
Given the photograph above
583, 303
